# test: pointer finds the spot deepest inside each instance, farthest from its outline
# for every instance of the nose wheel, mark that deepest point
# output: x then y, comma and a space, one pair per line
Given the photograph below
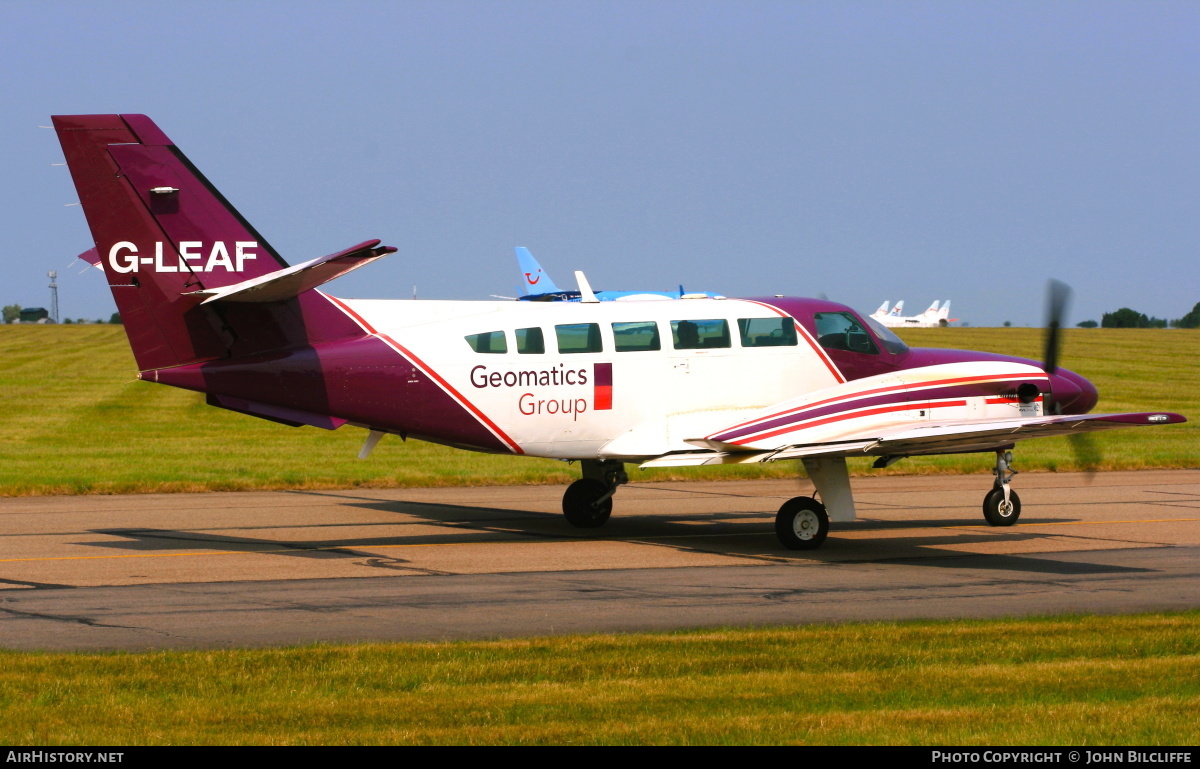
1000, 511
1002, 506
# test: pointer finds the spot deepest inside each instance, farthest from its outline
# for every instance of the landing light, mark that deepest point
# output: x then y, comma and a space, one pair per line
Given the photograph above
1157, 418
163, 190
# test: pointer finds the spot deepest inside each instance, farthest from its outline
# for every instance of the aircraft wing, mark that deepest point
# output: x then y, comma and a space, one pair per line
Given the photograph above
910, 440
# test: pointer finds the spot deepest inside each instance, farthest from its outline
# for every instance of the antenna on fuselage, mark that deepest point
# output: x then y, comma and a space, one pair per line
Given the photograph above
585, 290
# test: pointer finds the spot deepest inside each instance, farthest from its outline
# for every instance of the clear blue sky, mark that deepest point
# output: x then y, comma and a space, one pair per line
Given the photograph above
861, 150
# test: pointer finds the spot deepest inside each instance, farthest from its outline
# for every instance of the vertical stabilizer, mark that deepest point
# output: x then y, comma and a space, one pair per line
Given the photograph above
162, 232
534, 279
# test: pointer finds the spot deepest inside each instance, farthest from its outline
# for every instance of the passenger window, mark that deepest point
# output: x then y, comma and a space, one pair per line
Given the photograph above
530, 341
699, 334
488, 341
842, 331
767, 332
579, 337
636, 337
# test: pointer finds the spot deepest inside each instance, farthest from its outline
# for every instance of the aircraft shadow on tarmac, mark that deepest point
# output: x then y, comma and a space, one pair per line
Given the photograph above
746, 534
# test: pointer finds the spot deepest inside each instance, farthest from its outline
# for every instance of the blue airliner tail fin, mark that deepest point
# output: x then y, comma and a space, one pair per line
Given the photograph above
534, 279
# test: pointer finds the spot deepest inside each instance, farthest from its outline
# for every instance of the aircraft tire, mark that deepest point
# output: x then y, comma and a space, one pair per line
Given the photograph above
802, 524
577, 504
999, 514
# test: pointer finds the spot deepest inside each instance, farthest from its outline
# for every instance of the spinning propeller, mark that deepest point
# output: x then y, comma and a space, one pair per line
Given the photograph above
1058, 296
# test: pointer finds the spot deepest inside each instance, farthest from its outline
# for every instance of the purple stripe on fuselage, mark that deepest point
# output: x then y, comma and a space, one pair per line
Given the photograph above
363, 381
918, 398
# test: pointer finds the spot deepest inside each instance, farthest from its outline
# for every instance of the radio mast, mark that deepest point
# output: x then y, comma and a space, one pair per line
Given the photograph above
53, 275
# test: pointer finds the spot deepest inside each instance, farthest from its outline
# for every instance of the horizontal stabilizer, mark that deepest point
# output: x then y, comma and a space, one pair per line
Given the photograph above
290, 282
92, 257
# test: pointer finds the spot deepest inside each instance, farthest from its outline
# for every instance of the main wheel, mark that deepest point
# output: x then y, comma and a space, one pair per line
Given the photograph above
579, 504
802, 524
997, 511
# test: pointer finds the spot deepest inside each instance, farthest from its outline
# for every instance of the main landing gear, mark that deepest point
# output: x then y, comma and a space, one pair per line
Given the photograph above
1002, 506
802, 524
587, 503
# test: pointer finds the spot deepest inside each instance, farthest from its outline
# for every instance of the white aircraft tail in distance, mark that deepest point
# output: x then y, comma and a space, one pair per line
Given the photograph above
931, 318
211, 307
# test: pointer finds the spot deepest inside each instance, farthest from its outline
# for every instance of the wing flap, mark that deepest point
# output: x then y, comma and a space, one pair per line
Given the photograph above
699, 457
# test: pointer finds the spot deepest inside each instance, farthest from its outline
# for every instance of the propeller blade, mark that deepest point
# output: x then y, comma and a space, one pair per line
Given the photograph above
1058, 294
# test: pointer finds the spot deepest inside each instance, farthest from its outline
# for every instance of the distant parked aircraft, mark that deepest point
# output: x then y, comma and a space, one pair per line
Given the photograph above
883, 309
931, 318
539, 287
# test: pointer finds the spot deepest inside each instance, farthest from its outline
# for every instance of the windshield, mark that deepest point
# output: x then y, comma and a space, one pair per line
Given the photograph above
890, 341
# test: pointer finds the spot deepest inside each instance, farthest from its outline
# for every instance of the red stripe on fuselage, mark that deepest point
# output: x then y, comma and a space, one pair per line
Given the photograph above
842, 417
876, 391
492, 426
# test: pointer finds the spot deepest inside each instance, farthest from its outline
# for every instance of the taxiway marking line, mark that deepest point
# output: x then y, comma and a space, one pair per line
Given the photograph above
1077, 523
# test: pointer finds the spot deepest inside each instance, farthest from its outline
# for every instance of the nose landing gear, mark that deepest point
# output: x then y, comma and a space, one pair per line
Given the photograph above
587, 503
1002, 506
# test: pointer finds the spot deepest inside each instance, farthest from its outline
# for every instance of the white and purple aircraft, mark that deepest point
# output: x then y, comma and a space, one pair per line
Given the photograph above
210, 306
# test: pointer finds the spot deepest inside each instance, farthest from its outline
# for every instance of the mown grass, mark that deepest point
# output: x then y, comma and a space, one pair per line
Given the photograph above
1132, 680
75, 421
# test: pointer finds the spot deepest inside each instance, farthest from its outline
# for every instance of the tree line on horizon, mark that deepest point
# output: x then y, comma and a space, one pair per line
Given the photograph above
1128, 318
11, 312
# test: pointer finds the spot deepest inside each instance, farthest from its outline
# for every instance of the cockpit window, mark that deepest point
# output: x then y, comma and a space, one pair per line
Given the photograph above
488, 341
891, 342
842, 331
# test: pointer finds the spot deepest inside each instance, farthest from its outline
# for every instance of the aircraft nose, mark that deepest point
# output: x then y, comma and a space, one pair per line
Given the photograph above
1072, 393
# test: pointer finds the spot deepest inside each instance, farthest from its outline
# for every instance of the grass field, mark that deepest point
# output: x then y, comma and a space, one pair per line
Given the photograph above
1108, 681
76, 421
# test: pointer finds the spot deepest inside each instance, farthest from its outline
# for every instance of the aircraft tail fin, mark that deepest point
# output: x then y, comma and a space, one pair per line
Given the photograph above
534, 279
899, 308
883, 308
933, 308
944, 312
167, 239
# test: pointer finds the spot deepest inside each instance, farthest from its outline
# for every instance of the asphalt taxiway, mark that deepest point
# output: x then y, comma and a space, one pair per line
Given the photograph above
273, 568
